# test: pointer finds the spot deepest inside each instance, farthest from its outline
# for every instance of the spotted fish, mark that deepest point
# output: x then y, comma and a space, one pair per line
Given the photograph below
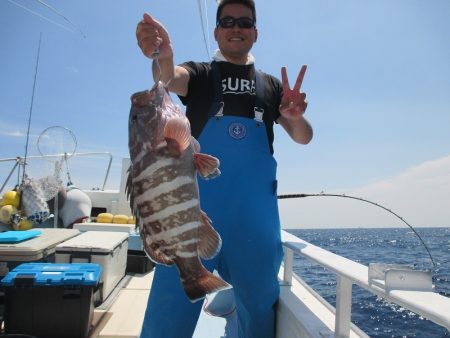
163, 191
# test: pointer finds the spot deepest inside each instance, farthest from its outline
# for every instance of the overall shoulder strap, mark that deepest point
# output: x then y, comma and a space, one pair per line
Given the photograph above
259, 99
216, 108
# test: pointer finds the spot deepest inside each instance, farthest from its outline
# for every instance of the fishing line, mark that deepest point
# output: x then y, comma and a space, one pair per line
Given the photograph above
61, 15
286, 196
31, 107
41, 16
205, 30
155, 59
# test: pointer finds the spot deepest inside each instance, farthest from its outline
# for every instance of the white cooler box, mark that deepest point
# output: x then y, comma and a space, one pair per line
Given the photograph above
37, 249
109, 249
94, 226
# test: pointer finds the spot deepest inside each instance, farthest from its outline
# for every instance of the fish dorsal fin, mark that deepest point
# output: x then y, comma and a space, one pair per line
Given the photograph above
177, 134
207, 165
210, 241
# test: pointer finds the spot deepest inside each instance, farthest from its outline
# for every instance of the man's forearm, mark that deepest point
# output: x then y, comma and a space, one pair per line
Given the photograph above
299, 130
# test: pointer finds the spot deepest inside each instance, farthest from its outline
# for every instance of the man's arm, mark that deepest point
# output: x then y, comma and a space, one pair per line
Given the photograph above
176, 78
154, 41
299, 130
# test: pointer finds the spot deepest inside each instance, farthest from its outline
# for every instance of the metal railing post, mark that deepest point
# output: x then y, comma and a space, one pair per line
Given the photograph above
343, 307
288, 265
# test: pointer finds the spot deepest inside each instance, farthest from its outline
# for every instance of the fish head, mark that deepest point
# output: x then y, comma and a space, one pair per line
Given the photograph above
146, 120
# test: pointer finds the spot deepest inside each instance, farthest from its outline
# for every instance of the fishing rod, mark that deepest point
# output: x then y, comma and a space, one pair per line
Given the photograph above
31, 107
286, 196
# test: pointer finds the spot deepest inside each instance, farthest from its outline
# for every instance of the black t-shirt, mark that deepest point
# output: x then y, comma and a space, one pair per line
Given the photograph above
238, 94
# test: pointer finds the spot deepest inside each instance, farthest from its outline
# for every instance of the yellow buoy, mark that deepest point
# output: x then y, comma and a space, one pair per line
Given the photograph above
104, 217
24, 224
6, 212
11, 197
120, 219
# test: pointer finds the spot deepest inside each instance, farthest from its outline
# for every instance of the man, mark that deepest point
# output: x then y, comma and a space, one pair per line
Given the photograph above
232, 109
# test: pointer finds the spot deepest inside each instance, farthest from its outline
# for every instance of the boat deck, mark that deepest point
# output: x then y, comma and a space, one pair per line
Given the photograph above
122, 314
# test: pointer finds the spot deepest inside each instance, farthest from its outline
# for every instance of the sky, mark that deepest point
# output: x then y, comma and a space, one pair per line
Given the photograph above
378, 86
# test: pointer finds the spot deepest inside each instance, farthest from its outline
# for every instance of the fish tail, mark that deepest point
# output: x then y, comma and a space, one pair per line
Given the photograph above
205, 283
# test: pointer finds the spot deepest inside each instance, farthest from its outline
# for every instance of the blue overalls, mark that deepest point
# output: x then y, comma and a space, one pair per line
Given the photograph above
242, 204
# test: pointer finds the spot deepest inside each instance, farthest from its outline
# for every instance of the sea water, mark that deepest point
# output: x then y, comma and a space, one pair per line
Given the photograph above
373, 315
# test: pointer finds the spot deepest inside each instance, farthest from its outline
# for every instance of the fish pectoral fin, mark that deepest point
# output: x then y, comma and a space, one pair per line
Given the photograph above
207, 165
209, 240
156, 255
159, 258
177, 134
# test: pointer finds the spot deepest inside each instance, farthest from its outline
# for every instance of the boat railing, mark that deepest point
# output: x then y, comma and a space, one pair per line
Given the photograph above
400, 286
22, 161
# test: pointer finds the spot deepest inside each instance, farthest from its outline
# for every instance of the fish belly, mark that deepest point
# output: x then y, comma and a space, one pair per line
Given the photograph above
167, 199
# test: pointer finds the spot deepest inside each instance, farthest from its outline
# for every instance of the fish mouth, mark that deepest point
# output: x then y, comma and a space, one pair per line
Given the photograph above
143, 98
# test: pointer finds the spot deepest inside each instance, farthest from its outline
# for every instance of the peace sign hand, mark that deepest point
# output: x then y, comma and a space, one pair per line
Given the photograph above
293, 103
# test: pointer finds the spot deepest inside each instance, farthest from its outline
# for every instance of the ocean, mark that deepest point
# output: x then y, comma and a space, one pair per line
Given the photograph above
375, 316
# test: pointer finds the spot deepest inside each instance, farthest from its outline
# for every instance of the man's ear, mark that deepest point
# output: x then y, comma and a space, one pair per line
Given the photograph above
256, 34
215, 33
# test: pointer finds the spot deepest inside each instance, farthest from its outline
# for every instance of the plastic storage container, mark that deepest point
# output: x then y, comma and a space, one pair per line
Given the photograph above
94, 226
137, 260
109, 249
49, 300
40, 248
135, 241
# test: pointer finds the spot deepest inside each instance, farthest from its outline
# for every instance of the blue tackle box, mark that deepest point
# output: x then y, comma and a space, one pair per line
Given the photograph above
49, 300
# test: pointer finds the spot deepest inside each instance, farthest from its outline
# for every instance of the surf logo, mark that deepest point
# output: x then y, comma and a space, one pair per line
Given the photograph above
238, 86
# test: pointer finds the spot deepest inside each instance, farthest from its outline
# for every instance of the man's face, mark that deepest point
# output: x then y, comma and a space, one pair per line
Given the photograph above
235, 42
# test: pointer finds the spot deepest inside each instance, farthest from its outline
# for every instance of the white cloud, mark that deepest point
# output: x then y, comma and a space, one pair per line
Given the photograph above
72, 69
420, 194
12, 133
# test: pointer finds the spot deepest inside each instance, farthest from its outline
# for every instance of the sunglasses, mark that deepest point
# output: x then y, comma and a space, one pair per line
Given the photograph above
229, 22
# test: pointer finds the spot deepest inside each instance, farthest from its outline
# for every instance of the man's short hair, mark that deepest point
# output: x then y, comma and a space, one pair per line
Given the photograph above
247, 3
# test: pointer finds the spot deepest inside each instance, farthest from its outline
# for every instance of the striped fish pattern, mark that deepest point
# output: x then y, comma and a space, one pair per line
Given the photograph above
163, 190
